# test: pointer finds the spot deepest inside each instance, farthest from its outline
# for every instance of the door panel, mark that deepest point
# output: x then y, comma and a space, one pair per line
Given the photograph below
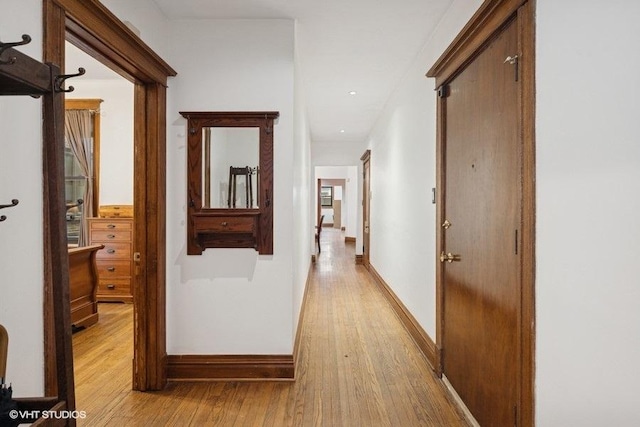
482, 202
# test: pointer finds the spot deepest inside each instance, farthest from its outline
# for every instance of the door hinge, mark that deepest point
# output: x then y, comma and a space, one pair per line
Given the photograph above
443, 91
516, 242
514, 60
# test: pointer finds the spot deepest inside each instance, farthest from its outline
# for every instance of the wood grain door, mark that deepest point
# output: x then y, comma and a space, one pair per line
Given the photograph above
366, 203
482, 199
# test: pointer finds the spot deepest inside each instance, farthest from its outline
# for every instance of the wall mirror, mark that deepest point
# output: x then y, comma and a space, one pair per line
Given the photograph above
230, 174
230, 180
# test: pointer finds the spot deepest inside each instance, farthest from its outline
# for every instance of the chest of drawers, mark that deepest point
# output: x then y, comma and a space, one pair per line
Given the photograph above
115, 261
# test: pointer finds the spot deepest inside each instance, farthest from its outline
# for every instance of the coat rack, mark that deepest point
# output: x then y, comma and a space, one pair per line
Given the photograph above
22, 75
10, 205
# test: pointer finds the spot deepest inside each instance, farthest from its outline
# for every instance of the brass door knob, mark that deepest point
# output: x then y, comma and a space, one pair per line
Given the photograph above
449, 257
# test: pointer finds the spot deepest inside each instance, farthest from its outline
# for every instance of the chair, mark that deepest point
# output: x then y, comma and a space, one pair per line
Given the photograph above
318, 230
233, 173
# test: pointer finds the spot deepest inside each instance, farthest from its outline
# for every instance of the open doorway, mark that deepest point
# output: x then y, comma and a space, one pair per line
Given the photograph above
93, 27
99, 172
336, 200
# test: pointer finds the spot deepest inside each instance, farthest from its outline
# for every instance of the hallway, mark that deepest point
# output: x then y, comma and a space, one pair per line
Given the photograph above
357, 367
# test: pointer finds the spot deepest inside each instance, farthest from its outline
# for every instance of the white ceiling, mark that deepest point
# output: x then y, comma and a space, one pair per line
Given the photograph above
343, 45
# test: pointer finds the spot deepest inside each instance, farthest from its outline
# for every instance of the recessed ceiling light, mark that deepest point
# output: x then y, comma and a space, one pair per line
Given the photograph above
353, 92
341, 130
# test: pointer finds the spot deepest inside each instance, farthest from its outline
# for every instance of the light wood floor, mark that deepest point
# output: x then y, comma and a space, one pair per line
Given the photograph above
357, 367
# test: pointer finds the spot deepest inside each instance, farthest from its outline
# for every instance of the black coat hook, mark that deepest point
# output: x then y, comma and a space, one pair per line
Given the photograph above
59, 80
4, 46
12, 204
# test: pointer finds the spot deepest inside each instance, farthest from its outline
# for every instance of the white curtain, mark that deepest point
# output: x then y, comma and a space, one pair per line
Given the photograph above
79, 135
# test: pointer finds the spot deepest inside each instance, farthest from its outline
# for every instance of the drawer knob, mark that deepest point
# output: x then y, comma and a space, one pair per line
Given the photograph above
111, 226
112, 269
224, 223
111, 236
111, 251
111, 286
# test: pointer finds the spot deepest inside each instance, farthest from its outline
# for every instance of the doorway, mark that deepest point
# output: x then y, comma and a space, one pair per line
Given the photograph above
485, 238
89, 25
106, 98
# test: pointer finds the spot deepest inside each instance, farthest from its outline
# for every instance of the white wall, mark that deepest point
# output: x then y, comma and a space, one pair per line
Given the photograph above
588, 205
402, 228
21, 248
231, 301
146, 18
116, 136
302, 173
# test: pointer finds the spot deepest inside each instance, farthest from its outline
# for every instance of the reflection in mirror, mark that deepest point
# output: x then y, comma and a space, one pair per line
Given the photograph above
230, 172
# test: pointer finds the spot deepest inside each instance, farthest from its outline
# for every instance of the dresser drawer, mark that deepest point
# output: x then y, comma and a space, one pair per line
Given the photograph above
224, 224
109, 224
117, 235
115, 262
115, 211
108, 269
114, 251
114, 287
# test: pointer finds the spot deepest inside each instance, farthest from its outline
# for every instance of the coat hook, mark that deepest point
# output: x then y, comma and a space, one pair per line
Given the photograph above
12, 204
59, 80
4, 46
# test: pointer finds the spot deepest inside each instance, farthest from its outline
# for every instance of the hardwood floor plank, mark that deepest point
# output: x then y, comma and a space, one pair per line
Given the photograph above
358, 366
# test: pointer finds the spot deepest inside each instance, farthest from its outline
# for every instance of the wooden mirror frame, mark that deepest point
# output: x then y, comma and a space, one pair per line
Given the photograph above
222, 227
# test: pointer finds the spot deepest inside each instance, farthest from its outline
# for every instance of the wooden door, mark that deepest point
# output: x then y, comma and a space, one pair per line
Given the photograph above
482, 202
366, 194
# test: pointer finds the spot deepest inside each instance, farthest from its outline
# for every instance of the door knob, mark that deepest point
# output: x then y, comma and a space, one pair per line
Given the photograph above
449, 257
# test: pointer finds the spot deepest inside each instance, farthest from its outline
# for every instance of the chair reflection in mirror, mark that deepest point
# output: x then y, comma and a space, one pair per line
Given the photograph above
247, 172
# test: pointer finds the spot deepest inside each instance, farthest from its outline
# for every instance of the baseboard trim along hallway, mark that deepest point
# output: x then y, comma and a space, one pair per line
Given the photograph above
229, 367
419, 335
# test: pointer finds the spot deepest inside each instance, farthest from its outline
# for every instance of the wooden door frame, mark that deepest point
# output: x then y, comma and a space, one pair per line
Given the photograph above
366, 214
483, 26
93, 28
318, 202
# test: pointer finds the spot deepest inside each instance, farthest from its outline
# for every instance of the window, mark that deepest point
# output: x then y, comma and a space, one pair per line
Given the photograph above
75, 179
326, 196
